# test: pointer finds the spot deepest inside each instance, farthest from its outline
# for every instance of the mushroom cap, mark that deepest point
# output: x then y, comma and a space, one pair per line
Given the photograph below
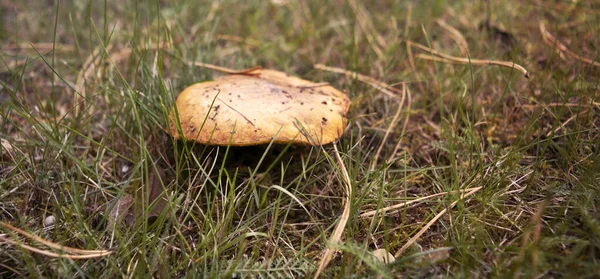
257, 108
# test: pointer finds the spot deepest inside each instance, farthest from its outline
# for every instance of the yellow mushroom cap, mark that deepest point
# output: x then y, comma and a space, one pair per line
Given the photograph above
257, 108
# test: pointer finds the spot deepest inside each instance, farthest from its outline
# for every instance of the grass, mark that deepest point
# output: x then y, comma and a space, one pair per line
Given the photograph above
87, 87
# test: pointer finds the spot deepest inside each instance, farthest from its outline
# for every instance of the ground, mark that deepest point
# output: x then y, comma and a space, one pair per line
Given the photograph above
457, 166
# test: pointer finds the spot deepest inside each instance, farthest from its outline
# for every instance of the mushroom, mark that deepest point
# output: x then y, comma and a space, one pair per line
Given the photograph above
248, 107
259, 106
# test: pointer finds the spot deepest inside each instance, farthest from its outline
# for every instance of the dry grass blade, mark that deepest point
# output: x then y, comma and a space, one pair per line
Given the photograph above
227, 70
551, 41
376, 42
409, 53
339, 228
78, 253
399, 143
51, 244
455, 35
41, 47
48, 253
366, 19
391, 126
531, 236
247, 41
445, 58
430, 223
546, 106
406, 203
383, 87
214, 7
564, 124
87, 70
12, 65
124, 53
120, 55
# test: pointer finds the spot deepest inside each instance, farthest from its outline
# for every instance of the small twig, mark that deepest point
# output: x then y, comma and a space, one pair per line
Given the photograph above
551, 41
430, 223
383, 87
341, 225
445, 58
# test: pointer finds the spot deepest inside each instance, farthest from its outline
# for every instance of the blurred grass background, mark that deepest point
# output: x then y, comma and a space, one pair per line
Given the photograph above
86, 87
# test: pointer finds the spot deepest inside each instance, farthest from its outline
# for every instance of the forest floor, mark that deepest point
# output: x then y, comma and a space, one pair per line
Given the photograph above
454, 160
